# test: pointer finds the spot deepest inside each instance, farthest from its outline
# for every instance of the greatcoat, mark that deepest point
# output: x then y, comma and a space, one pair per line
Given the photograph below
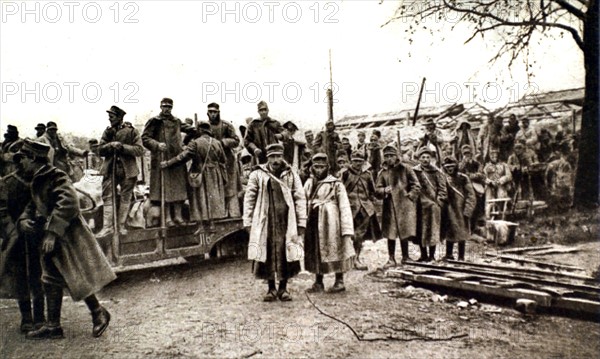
77, 256
165, 129
399, 215
431, 201
460, 207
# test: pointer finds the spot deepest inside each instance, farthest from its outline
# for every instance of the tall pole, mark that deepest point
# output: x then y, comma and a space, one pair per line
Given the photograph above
418, 102
330, 91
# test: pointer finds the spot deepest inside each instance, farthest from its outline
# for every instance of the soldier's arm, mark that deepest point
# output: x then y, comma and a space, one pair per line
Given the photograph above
380, 185
346, 222
135, 146
66, 206
442, 193
230, 138
413, 184
250, 197
249, 140
148, 136
507, 177
299, 200
8, 229
470, 198
317, 142
72, 149
104, 149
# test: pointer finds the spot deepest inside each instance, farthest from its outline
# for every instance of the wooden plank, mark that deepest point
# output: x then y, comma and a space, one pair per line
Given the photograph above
578, 304
524, 270
535, 262
554, 251
525, 249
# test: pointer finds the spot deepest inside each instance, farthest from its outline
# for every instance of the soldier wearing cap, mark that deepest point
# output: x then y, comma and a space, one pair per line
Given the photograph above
432, 139
431, 202
328, 244
362, 145
328, 142
520, 163
262, 132
457, 215
473, 169
498, 178
528, 135
20, 268
275, 217
343, 161
361, 192
60, 156
40, 129
162, 136
293, 146
207, 177
224, 132
71, 256
462, 136
119, 145
8, 148
309, 137
373, 152
399, 187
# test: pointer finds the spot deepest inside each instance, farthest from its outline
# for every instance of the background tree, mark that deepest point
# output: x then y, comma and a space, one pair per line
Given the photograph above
517, 22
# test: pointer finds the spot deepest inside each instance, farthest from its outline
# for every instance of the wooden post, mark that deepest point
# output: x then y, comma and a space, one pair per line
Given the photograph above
116, 240
418, 102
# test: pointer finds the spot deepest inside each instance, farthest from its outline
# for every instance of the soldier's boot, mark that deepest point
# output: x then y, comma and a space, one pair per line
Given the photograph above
449, 250
391, 244
108, 220
338, 286
423, 257
100, 316
318, 285
358, 265
271, 295
122, 217
461, 251
26, 318
38, 312
431, 254
52, 328
168, 219
404, 249
177, 216
282, 293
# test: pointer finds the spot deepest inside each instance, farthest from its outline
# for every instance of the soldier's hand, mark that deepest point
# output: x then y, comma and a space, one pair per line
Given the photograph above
257, 152
27, 226
162, 147
48, 242
117, 145
164, 164
388, 189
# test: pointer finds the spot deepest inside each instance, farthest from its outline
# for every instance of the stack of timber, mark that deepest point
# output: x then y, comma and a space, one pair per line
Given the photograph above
570, 292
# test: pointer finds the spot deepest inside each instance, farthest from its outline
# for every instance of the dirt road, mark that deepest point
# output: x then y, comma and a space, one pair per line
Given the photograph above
215, 310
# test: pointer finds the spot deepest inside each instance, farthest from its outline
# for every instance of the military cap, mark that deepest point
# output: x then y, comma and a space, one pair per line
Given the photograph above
449, 161
525, 119
428, 122
308, 132
262, 105
11, 128
166, 102
51, 125
466, 149
390, 149
494, 150
519, 145
358, 156
93, 141
320, 158
342, 154
376, 133
204, 126
116, 111
213, 105
274, 149
424, 150
33, 149
40, 126
361, 133
290, 126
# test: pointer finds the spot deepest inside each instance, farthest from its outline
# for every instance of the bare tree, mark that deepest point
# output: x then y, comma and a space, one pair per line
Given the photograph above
516, 22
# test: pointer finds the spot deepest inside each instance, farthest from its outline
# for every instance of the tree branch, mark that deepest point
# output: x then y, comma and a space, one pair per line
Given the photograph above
570, 8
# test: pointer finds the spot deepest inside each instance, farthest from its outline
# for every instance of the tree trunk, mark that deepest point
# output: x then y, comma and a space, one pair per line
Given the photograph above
586, 182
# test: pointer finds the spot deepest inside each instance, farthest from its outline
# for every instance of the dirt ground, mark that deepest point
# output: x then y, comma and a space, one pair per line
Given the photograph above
214, 309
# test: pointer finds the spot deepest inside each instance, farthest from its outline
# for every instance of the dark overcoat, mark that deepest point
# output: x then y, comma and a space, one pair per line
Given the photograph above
459, 208
76, 255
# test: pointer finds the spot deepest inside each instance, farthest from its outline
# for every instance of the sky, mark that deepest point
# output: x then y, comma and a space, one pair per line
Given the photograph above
69, 62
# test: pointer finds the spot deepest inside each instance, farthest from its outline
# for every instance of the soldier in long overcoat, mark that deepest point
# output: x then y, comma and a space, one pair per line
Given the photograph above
162, 136
208, 175
71, 256
261, 133
275, 217
459, 209
431, 201
224, 132
399, 187
360, 187
20, 269
120, 145
329, 229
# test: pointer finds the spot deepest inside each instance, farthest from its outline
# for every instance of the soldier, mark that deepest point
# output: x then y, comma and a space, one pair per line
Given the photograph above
432, 139
71, 255
329, 229
94, 161
343, 161
346, 147
559, 179
457, 215
8, 148
162, 136
462, 136
208, 176
224, 132
309, 137
275, 218
528, 135
119, 145
374, 153
293, 147
520, 163
431, 202
40, 129
61, 149
328, 142
362, 145
471, 168
498, 179
20, 269
261, 133
361, 192
399, 187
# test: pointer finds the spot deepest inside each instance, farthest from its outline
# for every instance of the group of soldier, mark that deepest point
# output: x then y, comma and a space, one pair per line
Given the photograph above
313, 199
